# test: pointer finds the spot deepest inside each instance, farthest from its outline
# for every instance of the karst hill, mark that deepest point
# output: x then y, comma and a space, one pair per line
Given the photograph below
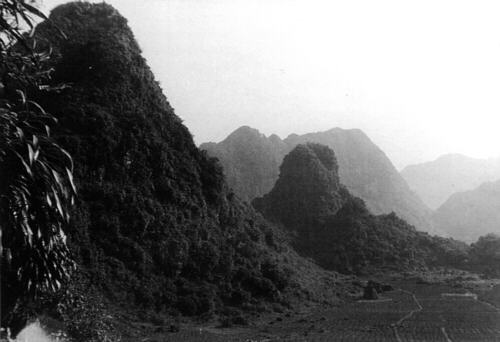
155, 225
336, 228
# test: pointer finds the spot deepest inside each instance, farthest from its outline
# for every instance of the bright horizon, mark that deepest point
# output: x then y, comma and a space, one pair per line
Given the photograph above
421, 79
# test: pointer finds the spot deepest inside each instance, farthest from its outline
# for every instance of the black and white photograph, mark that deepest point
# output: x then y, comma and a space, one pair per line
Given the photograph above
249, 171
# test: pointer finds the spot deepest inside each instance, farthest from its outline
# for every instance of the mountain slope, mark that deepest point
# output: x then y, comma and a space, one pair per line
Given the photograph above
470, 214
155, 226
251, 160
437, 180
367, 172
335, 228
363, 168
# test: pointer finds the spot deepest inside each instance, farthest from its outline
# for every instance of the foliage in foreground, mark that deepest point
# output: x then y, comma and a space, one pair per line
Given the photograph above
36, 186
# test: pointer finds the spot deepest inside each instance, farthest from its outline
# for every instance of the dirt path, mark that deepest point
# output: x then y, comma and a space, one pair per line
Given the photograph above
407, 316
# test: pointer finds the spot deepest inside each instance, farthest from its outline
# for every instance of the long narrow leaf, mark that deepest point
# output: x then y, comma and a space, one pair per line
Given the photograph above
34, 10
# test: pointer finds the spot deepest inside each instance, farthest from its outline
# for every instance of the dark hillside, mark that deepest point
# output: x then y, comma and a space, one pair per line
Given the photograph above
336, 229
155, 225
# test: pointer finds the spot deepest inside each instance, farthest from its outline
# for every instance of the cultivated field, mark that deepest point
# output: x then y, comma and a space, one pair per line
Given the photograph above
413, 312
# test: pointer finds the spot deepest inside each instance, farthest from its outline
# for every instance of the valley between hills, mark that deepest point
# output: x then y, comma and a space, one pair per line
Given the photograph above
315, 237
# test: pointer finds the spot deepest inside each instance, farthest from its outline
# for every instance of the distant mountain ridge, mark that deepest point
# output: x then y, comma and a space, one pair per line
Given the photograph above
470, 214
437, 180
250, 159
251, 163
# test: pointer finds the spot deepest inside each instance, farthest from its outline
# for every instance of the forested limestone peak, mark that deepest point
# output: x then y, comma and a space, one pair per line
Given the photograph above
155, 225
336, 229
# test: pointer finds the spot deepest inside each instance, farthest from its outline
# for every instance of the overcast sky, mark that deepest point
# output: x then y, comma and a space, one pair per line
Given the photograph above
421, 78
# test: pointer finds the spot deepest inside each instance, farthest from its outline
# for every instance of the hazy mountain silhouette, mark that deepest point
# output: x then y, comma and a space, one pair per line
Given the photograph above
251, 162
470, 214
335, 228
437, 180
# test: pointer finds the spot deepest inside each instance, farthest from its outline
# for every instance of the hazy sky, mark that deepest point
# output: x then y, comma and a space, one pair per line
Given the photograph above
421, 78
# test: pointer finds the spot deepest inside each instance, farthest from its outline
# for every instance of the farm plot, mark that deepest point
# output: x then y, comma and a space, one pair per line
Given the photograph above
450, 319
426, 315
492, 295
423, 314
359, 321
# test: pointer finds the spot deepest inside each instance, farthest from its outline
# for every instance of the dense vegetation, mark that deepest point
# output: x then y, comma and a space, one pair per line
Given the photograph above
485, 255
336, 228
155, 226
251, 162
36, 188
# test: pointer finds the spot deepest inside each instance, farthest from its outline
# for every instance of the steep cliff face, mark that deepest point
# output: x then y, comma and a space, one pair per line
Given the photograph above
155, 225
470, 214
437, 180
336, 229
363, 168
